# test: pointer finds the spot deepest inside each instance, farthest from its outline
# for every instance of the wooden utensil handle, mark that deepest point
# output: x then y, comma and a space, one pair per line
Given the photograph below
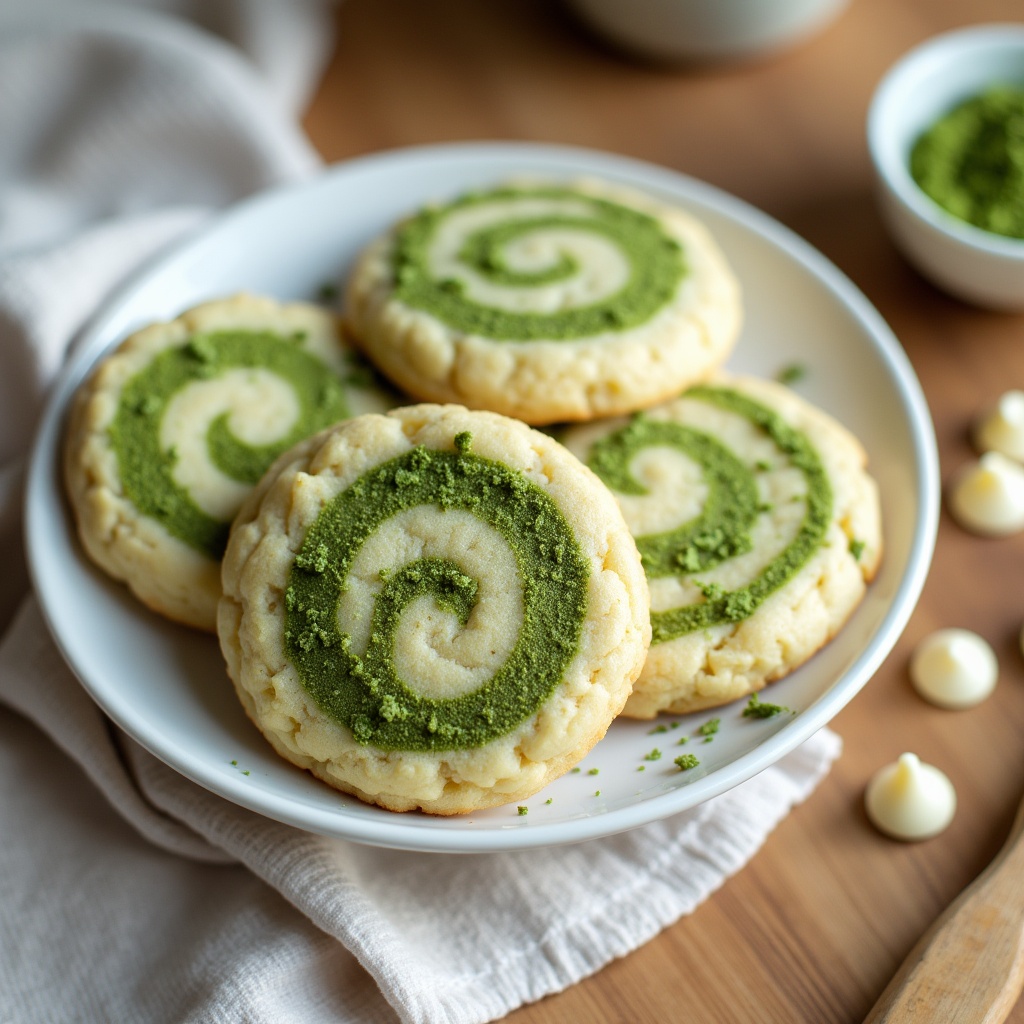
969, 966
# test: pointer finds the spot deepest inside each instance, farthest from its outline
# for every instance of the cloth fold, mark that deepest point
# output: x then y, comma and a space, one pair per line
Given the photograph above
126, 891
446, 938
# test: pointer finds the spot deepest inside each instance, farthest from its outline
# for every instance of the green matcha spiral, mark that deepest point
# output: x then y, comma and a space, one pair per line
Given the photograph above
722, 530
147, 469
365, 692
654, 258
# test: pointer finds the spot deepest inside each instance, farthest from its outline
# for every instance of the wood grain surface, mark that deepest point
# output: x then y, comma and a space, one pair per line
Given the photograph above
813, 929
970, 963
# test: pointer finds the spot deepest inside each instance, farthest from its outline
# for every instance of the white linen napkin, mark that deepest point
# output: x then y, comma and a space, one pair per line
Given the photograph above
127, 893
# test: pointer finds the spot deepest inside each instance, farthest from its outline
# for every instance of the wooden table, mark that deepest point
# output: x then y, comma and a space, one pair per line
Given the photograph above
814, 927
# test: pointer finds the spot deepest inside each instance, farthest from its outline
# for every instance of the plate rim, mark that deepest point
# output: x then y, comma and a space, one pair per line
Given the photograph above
45, 459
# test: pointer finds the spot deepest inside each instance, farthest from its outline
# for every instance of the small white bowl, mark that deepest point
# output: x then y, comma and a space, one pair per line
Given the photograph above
706, 30
982, 267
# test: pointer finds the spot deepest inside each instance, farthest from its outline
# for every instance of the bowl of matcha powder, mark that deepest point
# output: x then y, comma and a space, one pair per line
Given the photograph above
946, 136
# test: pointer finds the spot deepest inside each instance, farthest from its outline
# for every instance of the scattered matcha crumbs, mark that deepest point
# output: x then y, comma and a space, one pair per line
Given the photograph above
246, 772
327, 292
234, 764
575, 771
594, 771
654, 755
791, 374
597, 792
682, 741
641, 767
315, 560
657, 729
709, 739
856, 549
673, 725
523, 809
712, 591
549, 800
710, 727
686, 762
758, 709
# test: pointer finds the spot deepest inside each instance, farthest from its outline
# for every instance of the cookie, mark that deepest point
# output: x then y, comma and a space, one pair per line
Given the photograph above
176, 426
546, 302
759, 530
435, 609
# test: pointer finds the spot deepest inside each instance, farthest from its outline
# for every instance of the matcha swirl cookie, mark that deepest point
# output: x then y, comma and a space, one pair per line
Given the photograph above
546, 302
177, 425
436, 609
758, 527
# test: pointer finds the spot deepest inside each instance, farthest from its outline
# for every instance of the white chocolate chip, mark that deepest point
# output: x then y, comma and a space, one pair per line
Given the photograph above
1001, 429
988, 496
910, 800
954, 668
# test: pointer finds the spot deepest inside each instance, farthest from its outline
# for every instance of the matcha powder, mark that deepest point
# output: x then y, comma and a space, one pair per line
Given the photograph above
971, 161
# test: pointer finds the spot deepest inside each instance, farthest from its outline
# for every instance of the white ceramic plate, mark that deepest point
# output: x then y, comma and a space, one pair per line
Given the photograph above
166, 686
